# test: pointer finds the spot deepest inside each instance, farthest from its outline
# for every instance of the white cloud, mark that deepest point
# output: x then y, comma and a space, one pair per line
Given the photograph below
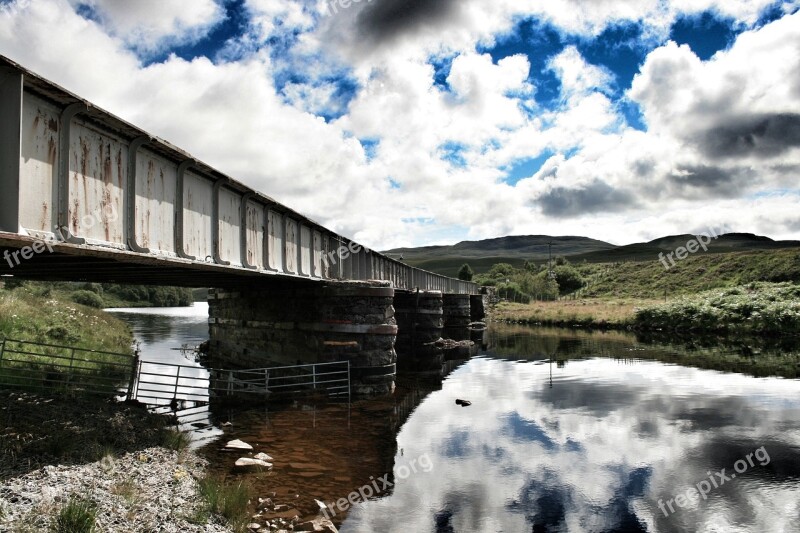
631, 184
148, 24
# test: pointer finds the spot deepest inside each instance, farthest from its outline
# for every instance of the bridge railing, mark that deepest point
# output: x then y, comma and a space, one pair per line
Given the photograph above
78, 174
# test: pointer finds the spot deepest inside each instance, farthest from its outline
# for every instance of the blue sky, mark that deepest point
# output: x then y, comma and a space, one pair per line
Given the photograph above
411, 122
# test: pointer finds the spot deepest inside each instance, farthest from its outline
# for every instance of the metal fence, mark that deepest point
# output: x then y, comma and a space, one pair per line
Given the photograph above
165, 383
57, 368
37, 365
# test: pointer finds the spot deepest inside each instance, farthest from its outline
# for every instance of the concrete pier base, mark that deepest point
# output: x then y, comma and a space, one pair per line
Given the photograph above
296, 324
420, 320
456, 310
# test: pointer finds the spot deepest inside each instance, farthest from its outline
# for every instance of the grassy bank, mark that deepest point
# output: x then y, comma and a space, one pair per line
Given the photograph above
32, 313
762, 308
756, 308
596, 313
103, 295
699, 272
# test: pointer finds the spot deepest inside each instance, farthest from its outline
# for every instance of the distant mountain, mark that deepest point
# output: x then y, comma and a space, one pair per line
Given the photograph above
645, 251
481, 255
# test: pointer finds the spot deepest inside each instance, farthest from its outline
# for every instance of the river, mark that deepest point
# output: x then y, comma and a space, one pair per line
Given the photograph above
566, 431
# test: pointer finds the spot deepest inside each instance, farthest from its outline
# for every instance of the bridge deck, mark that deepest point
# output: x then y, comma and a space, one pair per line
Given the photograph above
114, 203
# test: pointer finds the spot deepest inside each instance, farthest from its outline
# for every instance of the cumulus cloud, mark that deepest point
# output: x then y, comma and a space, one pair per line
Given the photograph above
386, 122
149, 24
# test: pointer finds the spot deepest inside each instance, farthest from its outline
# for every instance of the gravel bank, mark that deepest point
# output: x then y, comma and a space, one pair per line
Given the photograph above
153, 490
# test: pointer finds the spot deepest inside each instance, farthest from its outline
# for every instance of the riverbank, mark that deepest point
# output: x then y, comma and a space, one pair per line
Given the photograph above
756, 308
584, 313
31, 313
64, 456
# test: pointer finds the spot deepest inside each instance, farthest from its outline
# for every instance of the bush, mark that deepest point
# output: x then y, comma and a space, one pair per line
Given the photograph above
568, 279
88, 299
757, 307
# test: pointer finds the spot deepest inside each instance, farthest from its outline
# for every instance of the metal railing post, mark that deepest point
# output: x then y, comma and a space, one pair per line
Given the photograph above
71, 362
2, 351
177, 378
314, 376
134, 372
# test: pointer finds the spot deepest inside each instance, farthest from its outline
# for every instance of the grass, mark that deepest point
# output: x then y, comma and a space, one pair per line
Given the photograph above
78, 515
228, 500
176, 440
699, 272
605, 313
756, 308
30, 315
128, 491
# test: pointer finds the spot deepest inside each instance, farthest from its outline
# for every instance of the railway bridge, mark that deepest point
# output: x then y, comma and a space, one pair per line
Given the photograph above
87, 196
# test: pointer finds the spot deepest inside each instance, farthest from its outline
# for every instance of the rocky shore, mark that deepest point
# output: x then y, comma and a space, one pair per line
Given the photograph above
130, 467
151, 490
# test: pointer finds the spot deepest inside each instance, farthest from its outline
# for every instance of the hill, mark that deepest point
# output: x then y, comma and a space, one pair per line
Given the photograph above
647, 251
515, 250
481, 255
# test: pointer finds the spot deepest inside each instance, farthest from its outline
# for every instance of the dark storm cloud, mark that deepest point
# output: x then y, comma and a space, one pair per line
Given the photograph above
596, 197
718, 181
757, 135
382, 20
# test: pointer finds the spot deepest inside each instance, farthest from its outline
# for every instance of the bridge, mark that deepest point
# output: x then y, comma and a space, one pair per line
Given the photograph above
87, 196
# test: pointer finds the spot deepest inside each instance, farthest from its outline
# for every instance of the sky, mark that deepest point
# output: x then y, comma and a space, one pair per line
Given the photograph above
418, 122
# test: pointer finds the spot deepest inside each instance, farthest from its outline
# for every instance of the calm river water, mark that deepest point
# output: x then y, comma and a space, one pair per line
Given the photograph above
567, 431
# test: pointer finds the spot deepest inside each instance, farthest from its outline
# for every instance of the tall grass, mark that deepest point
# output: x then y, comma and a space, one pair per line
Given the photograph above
228, 500
176, 440
77, 516
31, 315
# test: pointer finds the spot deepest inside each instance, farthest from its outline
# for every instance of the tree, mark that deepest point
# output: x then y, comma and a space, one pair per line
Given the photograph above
465, 273
568, 278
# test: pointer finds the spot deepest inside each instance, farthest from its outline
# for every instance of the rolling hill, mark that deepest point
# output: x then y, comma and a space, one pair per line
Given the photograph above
481, 255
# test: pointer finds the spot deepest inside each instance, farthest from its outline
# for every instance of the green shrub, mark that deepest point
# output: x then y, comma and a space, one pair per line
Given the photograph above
88, 298
757, 307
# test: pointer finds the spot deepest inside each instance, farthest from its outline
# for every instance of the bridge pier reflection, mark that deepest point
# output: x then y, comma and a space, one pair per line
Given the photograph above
370, 324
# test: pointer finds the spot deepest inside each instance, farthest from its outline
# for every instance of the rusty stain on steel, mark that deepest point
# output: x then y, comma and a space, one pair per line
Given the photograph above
44, 222
52, 124
76, 207
51, 151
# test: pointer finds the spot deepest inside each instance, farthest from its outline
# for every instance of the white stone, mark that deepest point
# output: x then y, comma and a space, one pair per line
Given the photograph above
238, 445
263, 457
247, 462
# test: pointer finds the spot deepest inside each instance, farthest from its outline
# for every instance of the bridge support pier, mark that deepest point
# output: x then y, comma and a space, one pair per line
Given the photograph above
457, 316
478, 304
290, 324
420, 321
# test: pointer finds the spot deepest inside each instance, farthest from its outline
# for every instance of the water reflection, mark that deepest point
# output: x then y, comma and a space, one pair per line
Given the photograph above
594, 452
162, 334
567, 431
